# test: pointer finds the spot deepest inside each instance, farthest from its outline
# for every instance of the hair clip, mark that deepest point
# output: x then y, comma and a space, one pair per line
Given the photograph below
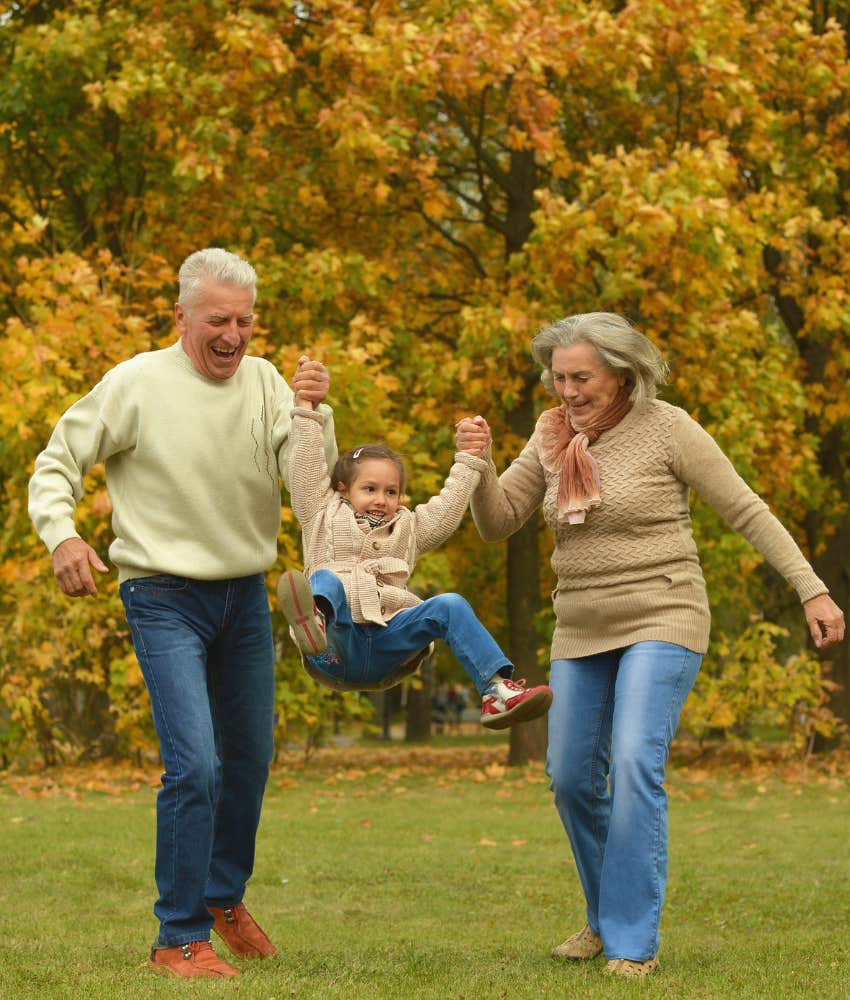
356, 454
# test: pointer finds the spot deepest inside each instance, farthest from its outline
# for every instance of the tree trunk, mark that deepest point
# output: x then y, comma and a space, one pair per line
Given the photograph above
528, 741
831, 561
829, 541
418, 716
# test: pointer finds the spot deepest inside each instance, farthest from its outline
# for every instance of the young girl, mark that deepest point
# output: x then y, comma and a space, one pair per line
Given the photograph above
355, 622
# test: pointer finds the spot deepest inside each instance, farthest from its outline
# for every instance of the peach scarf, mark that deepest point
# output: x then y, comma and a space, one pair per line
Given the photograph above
564, 449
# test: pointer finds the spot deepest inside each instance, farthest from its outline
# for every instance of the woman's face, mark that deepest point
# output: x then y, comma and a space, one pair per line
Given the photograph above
584, 382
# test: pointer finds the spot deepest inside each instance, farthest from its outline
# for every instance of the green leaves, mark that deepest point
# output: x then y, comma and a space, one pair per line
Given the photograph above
419, 195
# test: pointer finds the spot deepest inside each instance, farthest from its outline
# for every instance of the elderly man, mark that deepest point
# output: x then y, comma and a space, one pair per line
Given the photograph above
193, 438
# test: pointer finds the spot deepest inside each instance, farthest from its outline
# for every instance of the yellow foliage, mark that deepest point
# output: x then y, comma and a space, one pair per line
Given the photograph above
419, 195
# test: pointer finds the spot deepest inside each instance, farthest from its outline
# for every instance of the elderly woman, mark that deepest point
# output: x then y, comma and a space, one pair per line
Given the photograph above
612, 467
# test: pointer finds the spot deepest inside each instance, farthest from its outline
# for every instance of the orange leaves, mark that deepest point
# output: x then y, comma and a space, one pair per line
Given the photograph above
421, 191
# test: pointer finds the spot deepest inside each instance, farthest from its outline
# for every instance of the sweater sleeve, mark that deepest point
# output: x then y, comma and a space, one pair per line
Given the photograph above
700, 463
438, 518
284, 432
84, 435
308, 471
502, 504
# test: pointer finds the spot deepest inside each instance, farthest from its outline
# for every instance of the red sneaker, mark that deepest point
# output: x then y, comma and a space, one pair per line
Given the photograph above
306, 622
195, 960
506, 702
241, 933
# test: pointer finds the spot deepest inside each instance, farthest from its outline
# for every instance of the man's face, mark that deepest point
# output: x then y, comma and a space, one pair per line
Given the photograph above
217, 328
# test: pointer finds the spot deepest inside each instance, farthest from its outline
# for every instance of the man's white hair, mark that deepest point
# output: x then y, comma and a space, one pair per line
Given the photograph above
216, 265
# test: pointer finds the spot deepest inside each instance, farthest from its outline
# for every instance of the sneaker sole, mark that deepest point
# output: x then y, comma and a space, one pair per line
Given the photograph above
296, 602
525, 711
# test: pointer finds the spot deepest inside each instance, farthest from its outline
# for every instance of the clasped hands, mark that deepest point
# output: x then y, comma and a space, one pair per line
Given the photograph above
472, 435
310, 383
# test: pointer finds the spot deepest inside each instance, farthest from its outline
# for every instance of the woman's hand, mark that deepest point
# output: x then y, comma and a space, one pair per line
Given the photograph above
826, 620
472, 435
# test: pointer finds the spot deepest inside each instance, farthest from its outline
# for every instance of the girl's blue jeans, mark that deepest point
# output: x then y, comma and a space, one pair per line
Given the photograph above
206, 652
612, 719
367, 654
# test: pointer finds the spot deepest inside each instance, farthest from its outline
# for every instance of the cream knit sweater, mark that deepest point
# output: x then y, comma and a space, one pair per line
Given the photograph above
631, 572
374, 564
192, 466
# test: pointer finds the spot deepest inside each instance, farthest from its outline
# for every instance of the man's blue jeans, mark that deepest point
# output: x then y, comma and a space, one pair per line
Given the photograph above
207, 656
612, 719
367, 654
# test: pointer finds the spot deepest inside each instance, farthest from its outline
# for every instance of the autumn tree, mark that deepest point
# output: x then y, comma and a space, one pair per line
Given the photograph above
421, 186
667, 160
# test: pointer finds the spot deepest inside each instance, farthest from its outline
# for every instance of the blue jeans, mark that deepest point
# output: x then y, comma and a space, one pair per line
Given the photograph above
207, 656
367, 654
612, 719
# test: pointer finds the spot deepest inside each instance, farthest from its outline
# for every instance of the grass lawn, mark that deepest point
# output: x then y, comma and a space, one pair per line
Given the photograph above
392, 874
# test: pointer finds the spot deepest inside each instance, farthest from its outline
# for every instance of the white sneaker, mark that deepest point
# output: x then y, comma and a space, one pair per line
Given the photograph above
306, 622
506, 702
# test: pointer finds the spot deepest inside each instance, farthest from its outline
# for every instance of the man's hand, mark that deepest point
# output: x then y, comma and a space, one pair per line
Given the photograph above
72, 562
472, 435
310, 383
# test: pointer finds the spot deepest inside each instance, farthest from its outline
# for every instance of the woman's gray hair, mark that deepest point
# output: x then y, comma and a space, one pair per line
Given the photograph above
216, 265
622, 348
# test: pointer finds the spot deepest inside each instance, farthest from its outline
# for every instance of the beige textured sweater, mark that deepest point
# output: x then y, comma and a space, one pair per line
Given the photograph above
375, 564
631, 572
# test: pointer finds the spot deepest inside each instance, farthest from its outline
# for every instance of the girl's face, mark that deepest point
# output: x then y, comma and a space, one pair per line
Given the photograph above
584, 382
376, 488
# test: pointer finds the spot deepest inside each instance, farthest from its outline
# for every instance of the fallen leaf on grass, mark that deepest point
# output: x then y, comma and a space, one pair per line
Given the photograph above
487, 843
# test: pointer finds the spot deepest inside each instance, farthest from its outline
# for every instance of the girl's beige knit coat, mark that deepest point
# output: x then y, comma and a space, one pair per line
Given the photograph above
374, 564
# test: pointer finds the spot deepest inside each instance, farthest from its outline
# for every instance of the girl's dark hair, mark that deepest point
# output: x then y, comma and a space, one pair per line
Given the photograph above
345, 470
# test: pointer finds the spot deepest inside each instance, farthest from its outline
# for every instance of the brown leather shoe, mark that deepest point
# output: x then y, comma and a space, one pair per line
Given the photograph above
240, 932
195, 960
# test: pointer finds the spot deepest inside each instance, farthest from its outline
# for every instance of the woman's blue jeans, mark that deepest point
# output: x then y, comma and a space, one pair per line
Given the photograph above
612, 719
367, 654
207, 656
